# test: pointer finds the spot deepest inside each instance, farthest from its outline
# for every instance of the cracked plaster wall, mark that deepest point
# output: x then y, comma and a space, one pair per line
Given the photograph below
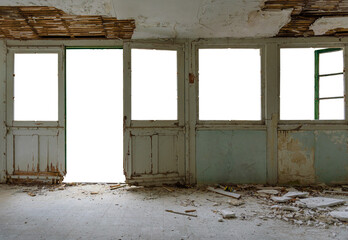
180, 18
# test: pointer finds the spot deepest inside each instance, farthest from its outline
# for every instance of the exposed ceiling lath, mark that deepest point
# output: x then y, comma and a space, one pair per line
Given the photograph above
49, 22
306, 12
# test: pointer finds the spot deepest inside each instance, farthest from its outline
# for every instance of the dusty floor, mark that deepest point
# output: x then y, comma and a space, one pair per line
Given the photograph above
97, 212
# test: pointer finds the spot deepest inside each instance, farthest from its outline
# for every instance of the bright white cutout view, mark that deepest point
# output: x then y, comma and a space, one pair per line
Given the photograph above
154, 85
94, 105
36, 87
297, 84
229, 84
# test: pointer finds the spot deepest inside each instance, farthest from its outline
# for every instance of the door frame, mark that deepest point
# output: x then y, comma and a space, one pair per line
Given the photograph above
35, 128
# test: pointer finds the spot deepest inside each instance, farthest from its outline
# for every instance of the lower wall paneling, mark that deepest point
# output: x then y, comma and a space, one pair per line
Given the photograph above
231, 156
307, 157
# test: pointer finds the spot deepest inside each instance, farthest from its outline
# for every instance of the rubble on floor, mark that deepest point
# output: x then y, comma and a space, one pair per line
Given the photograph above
308, 208
312, 206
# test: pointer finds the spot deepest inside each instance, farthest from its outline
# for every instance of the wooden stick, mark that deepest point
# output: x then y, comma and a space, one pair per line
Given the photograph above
168, 189
190, 210
186, 214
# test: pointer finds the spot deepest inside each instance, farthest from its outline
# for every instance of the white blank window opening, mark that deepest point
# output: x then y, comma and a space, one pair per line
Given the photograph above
297, 84
229, 84
36, 87
154, 85
94, 111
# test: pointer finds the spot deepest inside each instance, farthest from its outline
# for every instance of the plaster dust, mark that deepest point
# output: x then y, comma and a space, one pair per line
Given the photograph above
101, 211
324, 24
180, 18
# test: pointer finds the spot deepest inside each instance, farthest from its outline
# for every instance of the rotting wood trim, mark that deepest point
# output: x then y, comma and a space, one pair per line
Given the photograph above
25, 173
42, 22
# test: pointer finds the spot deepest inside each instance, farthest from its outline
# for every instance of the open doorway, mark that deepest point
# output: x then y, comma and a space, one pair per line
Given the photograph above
94, 110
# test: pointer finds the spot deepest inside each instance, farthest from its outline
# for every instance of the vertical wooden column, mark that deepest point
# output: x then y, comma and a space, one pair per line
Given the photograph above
126, 108
3, 159
345, 62
192, 82
272, 87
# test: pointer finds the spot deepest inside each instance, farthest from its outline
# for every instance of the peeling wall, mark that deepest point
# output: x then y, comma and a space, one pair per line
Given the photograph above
306, 157
325, 24
296, 157
227, 156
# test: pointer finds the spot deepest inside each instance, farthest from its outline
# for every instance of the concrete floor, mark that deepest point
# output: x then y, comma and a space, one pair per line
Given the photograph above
96, 212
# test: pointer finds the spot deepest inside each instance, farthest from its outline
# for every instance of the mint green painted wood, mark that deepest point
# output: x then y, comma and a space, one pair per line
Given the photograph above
331, 157
236, 156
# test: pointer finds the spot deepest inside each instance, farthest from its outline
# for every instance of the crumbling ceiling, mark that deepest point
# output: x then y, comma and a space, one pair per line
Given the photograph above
35, 22
214, 18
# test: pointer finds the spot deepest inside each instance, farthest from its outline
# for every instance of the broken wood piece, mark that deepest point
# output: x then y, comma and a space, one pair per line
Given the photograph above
222, 192
180, 213
94, 193
116, 186
190, 210
168, 189
31, 194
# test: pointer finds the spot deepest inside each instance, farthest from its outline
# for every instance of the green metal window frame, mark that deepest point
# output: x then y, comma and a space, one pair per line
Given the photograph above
317, 76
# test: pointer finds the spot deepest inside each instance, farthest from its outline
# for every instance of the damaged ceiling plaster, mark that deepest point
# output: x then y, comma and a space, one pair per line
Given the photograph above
213, 18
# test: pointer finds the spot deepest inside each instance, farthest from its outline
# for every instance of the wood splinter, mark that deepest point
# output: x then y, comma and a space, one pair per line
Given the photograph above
180, 213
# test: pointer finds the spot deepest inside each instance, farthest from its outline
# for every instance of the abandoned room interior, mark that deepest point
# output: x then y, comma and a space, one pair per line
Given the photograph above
161, 119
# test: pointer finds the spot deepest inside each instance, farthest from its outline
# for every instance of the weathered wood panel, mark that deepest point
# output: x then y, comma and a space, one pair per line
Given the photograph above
157, 153
35, 152
141, 155
25, 152
167, 151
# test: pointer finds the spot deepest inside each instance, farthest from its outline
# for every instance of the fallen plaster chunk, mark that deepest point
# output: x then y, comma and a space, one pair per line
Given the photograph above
285, 208
268, 188
222, 192
337, 192
296, 194
291, 189
227, 214
343, 216
268, 191
320, 202
280, 199
235, 202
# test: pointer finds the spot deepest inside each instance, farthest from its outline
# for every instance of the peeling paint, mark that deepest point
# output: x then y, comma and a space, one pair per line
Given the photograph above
325, 24
306, 157
296, 157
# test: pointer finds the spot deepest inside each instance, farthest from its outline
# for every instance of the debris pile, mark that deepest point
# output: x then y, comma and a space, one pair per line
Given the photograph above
307, 208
